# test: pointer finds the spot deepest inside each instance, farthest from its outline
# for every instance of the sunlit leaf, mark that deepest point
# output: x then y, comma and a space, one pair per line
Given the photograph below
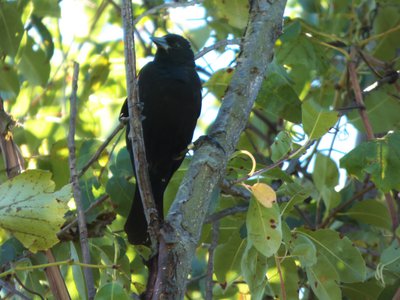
219, 81
112, 291
31, 210
264, 194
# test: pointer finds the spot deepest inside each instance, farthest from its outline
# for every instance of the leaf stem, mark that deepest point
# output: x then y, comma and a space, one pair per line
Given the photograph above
68, 262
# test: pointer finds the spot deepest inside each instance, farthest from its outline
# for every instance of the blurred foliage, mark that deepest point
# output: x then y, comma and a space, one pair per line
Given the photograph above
328, 237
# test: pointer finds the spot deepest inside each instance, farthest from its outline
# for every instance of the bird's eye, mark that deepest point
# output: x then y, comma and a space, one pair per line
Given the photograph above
175, 45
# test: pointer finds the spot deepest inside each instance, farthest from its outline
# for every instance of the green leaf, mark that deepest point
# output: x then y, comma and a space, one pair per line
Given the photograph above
11, 28
290, 278
254, 269
380, 158
302, 247
31, 211
340, 252
281, 146
388, 17
325, 172
227, 259
370, 212
277, 96
326, 177
298, 191
46, 8
264, 227
324, 280
316, 120
112, 291
79, 279
233, 12
390, 258
382, 108
121, 192
369, 290
298, 49
34, 64
9, 84
219, 81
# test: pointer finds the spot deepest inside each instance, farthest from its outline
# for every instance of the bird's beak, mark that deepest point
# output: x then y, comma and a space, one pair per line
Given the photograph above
160, 42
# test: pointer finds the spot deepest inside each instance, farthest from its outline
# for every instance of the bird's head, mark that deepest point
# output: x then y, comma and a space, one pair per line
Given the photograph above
173, 48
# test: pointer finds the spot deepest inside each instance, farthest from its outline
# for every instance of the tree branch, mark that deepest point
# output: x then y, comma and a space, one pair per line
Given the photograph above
181, 231
210, 264
136, 130
83, 234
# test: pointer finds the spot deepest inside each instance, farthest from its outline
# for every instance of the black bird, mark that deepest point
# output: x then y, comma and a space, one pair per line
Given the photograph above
170, 94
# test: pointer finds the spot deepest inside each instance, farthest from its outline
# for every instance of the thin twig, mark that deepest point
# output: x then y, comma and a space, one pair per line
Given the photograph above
226, 212
358, 94
83, 233
136, 130
68, 262
368, 128
281, 279
156, 9
103, 146
28, 289
290, 155
217, 45
342, 206
12, 289
234, 190
93, 205
210, 264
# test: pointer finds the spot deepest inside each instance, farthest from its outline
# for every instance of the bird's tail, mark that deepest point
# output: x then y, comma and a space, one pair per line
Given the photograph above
136, 223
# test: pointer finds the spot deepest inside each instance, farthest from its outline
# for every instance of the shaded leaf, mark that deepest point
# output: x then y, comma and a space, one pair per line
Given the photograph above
281, 146
317, 120
264, 227
227, 259
34, 64
324, 280
277, 96
302, 247
9, 84
370, 212
254, 269
339, 252
11, 28
380, 158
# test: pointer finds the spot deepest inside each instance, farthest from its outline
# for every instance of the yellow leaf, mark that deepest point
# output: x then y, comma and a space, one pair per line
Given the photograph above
31, 210
264, 194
